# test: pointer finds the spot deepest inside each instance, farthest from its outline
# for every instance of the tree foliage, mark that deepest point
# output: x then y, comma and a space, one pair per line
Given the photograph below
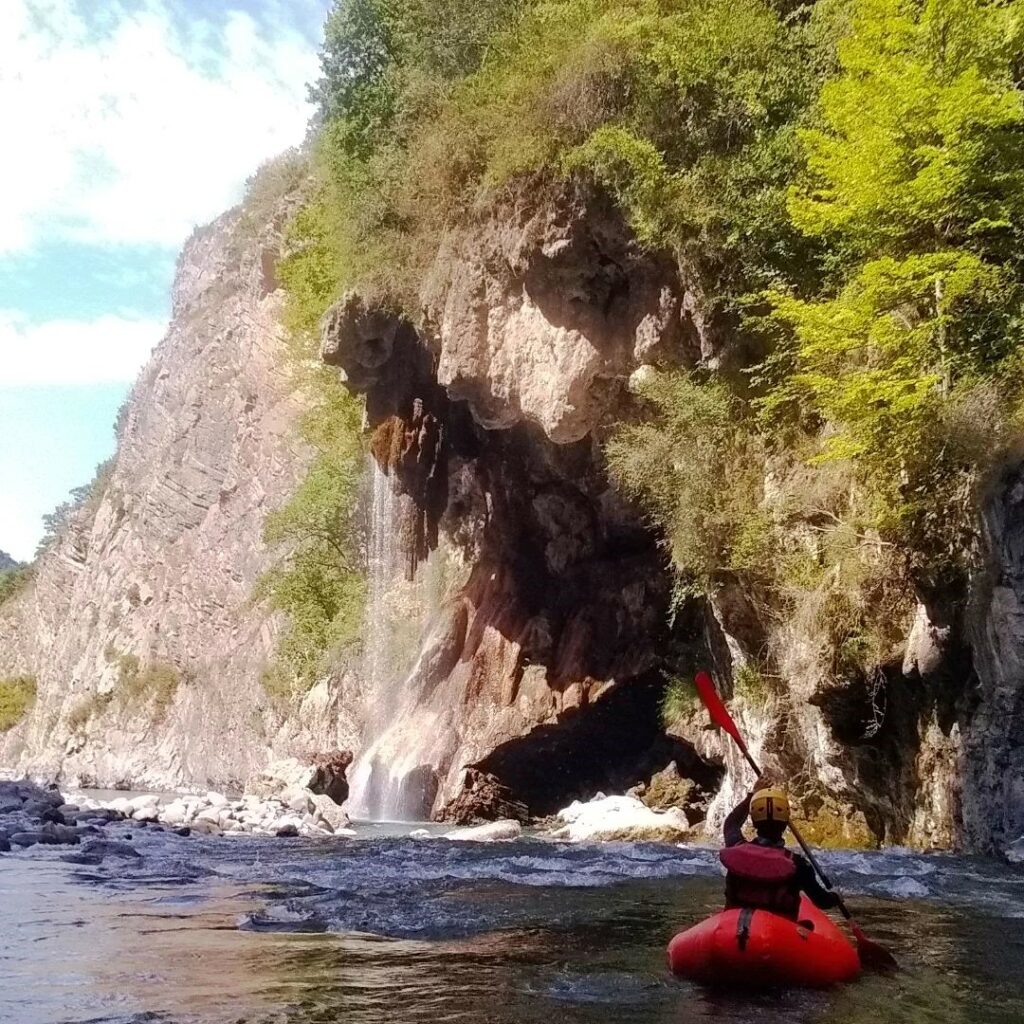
319, 581
914, 177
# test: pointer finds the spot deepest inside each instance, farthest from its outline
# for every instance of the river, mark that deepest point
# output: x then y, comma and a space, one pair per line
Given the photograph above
388, 929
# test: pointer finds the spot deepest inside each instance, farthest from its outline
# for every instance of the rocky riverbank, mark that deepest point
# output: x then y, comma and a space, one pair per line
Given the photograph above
32, 815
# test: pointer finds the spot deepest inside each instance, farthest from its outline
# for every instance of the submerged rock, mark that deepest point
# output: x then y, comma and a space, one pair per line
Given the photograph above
615, 818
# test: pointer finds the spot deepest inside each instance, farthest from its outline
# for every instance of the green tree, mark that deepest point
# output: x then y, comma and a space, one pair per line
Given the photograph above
914, 179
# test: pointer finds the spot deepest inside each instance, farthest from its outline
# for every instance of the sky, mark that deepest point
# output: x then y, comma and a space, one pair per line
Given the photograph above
125, 124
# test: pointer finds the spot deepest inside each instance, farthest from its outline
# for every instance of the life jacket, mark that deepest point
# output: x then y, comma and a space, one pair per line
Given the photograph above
761, 878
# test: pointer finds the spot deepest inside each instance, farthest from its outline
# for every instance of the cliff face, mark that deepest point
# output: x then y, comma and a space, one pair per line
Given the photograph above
138, 624
542, 677
540, 671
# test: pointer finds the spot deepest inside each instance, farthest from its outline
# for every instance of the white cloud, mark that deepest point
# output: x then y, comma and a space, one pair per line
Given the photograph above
106, 350
132, 123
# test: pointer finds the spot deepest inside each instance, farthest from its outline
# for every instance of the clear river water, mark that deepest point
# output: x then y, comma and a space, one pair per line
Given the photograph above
385, 928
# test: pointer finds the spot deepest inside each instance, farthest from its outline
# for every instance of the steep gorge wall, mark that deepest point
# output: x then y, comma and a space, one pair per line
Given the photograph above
540, 677
541, 681
157, 568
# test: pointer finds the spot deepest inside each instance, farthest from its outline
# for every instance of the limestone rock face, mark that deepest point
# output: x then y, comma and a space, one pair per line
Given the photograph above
540, 316
994, 745
540, 682
157, 568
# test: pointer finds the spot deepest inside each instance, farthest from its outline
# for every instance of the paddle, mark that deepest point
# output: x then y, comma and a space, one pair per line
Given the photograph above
871, 953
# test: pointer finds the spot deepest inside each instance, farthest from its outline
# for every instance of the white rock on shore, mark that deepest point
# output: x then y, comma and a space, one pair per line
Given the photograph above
619, 818
492, 832
303, 813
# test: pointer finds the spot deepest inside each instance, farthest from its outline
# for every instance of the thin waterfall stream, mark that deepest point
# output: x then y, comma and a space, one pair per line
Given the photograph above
390, 779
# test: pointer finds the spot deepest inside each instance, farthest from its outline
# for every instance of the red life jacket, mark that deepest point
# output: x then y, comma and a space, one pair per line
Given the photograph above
761, 878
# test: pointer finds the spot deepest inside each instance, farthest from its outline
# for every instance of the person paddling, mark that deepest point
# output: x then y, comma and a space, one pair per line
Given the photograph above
761, 874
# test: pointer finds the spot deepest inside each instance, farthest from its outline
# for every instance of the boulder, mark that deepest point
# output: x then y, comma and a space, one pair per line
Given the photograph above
298, 799
205, 827
668, 789
98, 850
483, 798
177, 812
322, 774
492, 832
327, 810
278, 776
619, 818
329, 775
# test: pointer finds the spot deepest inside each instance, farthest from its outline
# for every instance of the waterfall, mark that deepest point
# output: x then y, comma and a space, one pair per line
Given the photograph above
390, 777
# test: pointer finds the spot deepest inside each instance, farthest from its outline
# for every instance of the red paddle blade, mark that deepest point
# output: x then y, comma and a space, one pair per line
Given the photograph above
716, 709
872, 955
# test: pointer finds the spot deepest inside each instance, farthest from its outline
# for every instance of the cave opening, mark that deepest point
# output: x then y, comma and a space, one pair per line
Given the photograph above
607, 746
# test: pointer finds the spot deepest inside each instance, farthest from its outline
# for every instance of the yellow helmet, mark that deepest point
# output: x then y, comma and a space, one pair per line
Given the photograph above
769, 805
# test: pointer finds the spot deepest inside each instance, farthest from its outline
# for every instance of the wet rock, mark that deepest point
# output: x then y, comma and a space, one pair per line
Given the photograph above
619, 818
30, 838
329, 775
492, 832
483, 798
287, 831
5, 845
62, 834
668, 788
96, 851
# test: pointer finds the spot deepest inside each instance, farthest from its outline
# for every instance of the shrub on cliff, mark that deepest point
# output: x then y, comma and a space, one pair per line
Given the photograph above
17, 695
14, 581
148, 687
84, 500
698, 466
685, 111
319, 581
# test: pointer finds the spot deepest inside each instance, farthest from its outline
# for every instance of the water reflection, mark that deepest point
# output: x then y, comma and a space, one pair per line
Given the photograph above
143, 949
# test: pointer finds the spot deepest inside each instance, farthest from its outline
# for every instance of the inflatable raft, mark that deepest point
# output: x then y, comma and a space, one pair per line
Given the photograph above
760, 949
